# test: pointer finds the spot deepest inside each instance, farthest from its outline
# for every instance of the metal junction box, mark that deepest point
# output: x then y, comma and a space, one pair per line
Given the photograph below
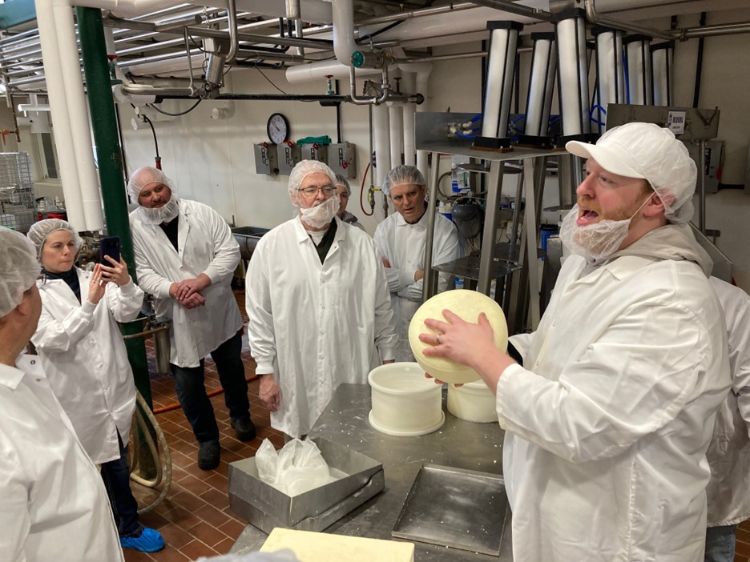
287, 155
315, 152
265, 159
266, 507
342, 159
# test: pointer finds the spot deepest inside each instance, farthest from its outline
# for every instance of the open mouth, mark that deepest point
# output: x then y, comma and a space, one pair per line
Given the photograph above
586, 217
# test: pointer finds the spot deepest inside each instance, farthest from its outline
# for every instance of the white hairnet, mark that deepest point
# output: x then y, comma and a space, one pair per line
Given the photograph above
400, 175
19, 268
144, 177
341, 180
301, 170
39, 232
650, 152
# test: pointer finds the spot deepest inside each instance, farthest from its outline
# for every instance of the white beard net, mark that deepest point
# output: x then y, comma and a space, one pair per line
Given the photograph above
165, 213
595, 242
320, 215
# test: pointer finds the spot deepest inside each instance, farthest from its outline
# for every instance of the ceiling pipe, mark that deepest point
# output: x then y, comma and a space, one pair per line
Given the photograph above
343, 31
712, 30
233, 40
518, 9
593, 17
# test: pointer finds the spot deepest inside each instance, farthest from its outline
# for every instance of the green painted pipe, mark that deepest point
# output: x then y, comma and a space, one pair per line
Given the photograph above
104, 124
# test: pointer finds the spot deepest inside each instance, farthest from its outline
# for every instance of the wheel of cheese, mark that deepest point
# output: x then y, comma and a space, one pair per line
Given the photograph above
467, 305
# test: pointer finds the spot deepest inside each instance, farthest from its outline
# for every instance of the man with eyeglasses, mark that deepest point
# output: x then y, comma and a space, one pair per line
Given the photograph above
318, 305
344, 191
400, 242
185, 256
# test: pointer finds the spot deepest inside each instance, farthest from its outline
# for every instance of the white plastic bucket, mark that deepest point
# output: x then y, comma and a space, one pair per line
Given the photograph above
404, 403
472, 402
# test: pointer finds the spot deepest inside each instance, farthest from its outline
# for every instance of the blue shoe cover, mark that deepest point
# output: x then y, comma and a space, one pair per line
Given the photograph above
150, 540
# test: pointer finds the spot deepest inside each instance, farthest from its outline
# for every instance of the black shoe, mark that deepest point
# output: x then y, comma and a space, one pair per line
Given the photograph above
208, 455
244, 428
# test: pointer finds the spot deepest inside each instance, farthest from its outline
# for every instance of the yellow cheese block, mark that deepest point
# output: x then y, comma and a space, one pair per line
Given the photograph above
467, 305
324, 547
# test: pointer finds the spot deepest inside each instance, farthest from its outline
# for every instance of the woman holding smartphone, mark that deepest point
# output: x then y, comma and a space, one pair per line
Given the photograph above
84, 357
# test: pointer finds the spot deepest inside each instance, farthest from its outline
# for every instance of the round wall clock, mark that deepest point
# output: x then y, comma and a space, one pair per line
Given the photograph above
277, 128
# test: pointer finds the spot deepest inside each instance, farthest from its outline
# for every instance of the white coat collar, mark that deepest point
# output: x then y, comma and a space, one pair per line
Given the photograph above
302, 235
11, 376
67, 292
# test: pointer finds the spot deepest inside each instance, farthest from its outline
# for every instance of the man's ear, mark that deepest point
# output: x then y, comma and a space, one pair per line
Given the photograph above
657, 205
24, 308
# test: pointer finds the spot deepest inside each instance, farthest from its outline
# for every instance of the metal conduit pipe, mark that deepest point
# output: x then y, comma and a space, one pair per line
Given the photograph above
517, 9
233, 41
19, 36
594, 18
712, 30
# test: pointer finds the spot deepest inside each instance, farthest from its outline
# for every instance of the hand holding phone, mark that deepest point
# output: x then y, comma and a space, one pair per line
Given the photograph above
109, 246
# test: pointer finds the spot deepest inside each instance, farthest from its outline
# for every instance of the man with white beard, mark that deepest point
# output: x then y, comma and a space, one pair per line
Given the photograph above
318, 304
185, 256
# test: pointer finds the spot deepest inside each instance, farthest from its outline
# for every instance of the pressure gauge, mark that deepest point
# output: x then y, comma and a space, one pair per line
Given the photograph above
277, 128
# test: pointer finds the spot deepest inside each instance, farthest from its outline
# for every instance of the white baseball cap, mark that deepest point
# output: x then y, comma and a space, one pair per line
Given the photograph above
647, 151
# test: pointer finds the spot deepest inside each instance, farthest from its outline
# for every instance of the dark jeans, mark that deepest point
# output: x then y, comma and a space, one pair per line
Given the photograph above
116, 476
191, 391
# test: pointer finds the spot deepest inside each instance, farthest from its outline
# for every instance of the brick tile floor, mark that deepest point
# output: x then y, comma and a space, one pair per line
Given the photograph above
194, 518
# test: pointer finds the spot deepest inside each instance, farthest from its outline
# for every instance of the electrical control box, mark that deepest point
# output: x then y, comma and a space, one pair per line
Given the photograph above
266, 161
287, 155
342, 159
314, 152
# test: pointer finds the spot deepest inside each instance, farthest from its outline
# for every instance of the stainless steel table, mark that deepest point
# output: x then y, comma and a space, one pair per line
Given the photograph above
458, 444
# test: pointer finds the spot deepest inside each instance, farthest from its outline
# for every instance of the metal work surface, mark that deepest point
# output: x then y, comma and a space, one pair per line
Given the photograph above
458, 444
454, 507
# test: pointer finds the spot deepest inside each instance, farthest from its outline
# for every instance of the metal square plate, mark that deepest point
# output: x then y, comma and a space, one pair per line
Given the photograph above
455, 507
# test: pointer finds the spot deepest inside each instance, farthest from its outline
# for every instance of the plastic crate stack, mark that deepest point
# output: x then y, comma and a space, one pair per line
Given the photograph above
16, 191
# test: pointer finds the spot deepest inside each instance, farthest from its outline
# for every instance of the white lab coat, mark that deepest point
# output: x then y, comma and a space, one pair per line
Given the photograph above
403, 245
53, 505
316, 325
729, 454
608, 423
85, 360
206, 245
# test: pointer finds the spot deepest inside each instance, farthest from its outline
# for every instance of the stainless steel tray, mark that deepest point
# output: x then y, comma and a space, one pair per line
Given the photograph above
456, 508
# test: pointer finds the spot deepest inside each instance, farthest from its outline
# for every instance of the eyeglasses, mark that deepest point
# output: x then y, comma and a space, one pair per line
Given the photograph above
312, 190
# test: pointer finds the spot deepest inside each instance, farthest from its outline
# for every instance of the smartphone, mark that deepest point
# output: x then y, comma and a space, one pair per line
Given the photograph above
109, 246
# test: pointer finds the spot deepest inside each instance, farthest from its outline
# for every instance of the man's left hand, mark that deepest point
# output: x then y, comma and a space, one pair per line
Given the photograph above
188, 287
418, 274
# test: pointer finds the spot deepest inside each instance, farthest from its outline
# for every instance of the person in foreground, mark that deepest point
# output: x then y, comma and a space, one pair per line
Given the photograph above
318, 306
609, 418
53, 505
729, 453
84, 356
185, 256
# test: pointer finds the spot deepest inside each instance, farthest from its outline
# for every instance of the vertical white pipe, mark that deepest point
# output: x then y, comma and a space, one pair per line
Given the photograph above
80, 130
640, 89
380, 139
60, 120
573, 94
343, 30
661, 63
396, 127
408, 85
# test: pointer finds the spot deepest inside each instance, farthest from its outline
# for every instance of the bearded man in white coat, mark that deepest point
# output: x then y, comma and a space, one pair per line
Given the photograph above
318, 305
53, 505
185, 257
608, 420
400, 240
